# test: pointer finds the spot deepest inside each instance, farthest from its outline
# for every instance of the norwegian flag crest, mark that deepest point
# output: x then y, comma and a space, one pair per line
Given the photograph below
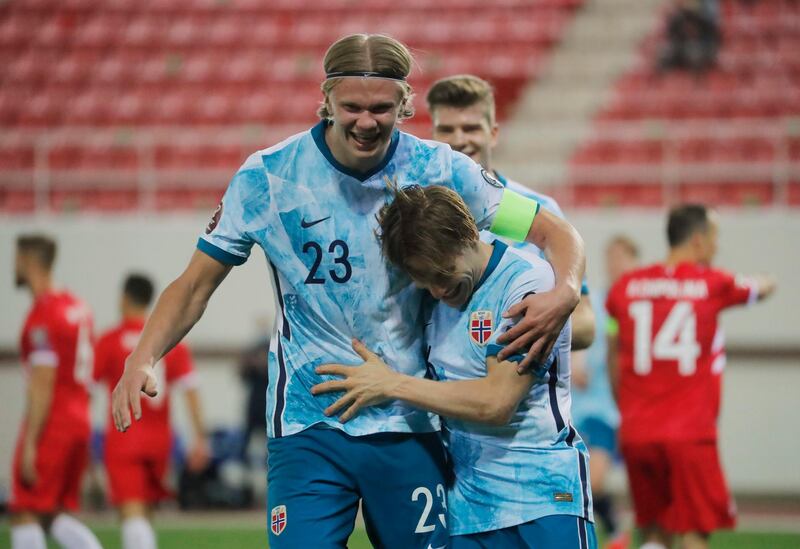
278, 519
480, 326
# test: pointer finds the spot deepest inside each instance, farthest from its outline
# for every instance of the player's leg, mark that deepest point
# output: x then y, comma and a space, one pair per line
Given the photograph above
60, 462
601, 440
27, 532
694, 540
506, 537
128, 479
68, 531
654, 537
557, 532
136, 530
403, 486
26, 527
701, 500
312, 497
648, 473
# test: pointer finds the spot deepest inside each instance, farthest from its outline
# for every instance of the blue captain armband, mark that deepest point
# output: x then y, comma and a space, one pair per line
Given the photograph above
514, 216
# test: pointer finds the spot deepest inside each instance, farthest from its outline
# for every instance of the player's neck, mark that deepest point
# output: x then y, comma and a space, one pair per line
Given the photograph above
681, 255
483, 253
131, 313
40, 284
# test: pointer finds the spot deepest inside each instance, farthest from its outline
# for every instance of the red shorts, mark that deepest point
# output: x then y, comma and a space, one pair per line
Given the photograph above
137, 478
60, 463
679, 486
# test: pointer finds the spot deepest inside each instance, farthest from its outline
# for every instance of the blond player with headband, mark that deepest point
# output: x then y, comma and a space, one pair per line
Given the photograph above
310, 204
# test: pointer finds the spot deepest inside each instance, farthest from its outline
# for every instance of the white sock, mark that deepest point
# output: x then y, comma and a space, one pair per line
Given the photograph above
70, 533
27, 536
137, 533
653, 545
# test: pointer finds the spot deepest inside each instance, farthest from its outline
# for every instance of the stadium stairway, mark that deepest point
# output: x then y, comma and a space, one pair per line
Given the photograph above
727, 136
555, 112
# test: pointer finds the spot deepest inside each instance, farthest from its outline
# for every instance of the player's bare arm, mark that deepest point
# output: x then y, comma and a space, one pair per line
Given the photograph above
179, 307
199, 452
544, 315
40, 396
491, 400
583, 324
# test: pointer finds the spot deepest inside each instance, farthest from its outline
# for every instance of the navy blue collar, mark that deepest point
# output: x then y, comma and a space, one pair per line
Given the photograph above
318, 133
500, 248
501, 178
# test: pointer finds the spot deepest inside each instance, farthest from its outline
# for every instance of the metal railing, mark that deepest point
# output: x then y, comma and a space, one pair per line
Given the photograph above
146, 178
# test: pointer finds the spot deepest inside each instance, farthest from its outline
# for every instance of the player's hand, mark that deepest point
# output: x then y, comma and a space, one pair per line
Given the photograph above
28, 465
364, 385
537, 331
127, 394
199, 455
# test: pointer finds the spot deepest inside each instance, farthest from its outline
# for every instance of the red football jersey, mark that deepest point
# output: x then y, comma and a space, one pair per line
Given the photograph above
671, 350
152, 431
58, 334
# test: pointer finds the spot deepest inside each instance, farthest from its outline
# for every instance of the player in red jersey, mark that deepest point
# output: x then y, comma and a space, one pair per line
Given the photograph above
137, 462
666, 365
53, 445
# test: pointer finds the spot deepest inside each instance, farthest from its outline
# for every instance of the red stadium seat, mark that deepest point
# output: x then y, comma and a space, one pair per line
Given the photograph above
752, 91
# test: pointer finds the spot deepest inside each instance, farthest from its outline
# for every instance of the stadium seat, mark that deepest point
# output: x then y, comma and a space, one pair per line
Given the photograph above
749, 104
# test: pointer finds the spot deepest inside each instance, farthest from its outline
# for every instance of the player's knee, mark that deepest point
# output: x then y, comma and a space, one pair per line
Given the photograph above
132, 509
24, 517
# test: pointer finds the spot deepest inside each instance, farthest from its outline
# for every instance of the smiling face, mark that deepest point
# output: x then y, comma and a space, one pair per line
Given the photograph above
467, 130
364, 112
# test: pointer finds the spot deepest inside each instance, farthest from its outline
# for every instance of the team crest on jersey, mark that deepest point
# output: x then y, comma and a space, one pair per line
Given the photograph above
480, 326
491, 179
214, 219
278, 519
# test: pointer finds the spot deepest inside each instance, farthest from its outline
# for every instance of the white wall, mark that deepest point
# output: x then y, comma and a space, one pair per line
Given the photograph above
759, 441
96, 252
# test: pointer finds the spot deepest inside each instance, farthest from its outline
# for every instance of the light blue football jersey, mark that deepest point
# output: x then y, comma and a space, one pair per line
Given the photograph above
535, 466
547, 202
316, 221
596, 400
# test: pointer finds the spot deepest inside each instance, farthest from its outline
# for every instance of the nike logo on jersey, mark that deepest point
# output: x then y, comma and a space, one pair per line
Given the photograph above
306, 224
440, 547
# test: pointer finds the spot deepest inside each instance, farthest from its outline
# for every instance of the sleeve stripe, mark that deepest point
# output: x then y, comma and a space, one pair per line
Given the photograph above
753, 297
219, 254
514, 216
48, 359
